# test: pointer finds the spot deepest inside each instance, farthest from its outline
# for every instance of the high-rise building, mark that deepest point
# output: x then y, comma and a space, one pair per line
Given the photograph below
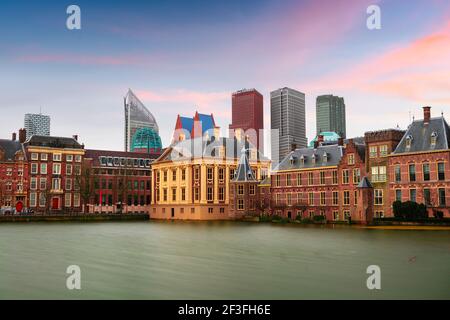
37, 124
330, 114
137, 116
287, 110
248, 116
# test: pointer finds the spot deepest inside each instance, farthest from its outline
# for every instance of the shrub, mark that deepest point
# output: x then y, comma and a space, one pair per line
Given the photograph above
307, 220
409, 210
319, 218
298, 217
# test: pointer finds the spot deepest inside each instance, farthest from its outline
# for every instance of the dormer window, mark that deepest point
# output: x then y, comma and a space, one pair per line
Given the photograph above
325, 158
302, 160
249, 174
292, 160
433, 139
313, 159
409, 139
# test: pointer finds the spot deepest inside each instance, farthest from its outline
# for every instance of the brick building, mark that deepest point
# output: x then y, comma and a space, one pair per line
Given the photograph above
120, 181
419, 167
13, 172
54, 170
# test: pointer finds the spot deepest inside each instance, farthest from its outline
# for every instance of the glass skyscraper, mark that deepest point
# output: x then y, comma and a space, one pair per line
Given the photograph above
330, 115
36, 124
137, 117
287, 110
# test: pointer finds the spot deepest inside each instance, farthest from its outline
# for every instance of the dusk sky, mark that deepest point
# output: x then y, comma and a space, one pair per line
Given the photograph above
183, 56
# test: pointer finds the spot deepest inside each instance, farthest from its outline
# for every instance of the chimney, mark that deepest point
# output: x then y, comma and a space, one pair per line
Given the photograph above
340, 141
14, 136
316, 144
75, 137
22, 135
320, 139
426, 114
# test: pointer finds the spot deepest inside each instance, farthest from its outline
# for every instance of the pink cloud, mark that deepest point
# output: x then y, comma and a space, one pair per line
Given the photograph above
418, 71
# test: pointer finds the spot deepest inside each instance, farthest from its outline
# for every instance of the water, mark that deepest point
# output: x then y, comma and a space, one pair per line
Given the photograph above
220, 260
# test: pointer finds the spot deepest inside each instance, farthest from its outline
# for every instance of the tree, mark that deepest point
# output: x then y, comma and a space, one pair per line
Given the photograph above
85, 181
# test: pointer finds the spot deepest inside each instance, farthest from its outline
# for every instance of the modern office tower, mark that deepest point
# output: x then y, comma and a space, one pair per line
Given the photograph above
137, 116
36, 124
287, 110
248, 116
330, 115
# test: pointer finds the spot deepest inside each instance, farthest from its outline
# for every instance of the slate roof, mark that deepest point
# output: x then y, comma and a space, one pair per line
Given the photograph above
53, 142
421, 133
10, 148
244, 172
187, 123
266, 181
364, 183
207, 122
96, 154
294, 161
202, 148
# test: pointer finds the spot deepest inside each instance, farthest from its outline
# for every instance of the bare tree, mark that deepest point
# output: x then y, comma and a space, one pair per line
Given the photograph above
85, 181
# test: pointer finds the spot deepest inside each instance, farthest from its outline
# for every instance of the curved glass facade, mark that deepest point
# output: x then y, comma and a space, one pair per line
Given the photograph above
137, 116
146, 139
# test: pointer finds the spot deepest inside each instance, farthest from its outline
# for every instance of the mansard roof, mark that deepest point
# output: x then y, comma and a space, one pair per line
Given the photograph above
9, 149
53, 142
419, 136
308, 158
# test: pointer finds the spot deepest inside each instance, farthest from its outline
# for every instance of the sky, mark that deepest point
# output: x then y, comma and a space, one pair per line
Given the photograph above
183, 56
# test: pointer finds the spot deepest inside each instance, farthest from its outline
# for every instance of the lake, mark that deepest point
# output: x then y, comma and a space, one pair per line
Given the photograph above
220, 260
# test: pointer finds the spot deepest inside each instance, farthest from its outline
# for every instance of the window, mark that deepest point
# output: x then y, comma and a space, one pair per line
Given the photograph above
174, 175
346, 198
441, 171
69, 169
299, 179
44, 157
209, 173
221, 194
412, 195
433, 139
34, 168
378, 174
427, 197
34, 156
277, 181
288, 180
289, 199
311, 198
346, 214
165, 194
68, 184
397, 173
33, 199
322, 177
310, 178
345, 176
67, 200
373, 151
379, 214
77, 158
356, 176
56, 184
196, 194
33, 183
252, 189
412, 172
69, 158
56, 168
335, 177
43, 183
409, 139
426, 171
441, 192
335, 198
356, 197
210, 196
42, 200
221, 174
383, 150
183, 194
57, 157
240, 190
322, 198
165, 176
378, 194
174, 194
351, 159
76, 199
335, 215
398, 195
240, 204
232, 174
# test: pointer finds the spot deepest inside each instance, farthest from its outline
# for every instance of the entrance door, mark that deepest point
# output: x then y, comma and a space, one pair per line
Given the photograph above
289, 215
55, 203
173, 212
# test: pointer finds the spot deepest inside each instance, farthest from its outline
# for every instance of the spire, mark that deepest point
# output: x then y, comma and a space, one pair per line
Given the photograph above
244, 172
